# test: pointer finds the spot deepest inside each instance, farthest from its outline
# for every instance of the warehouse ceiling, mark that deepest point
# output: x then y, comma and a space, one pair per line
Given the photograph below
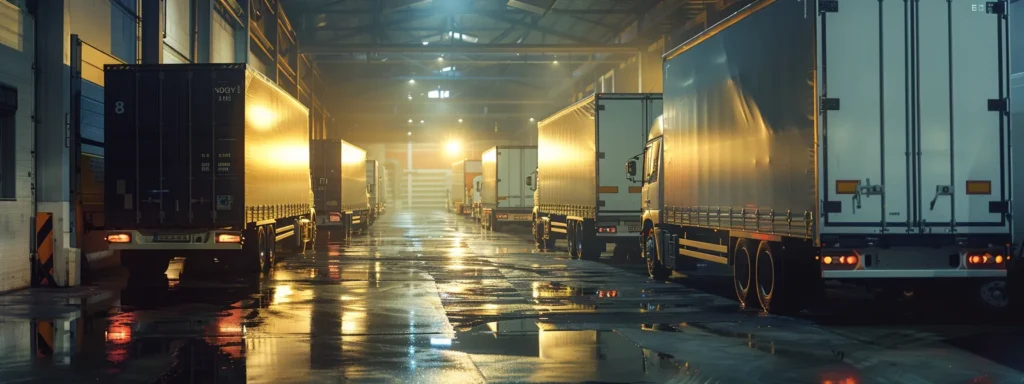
476, 68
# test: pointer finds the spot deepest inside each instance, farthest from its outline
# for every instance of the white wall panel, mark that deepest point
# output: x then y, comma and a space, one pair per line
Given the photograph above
222, 41
178, 25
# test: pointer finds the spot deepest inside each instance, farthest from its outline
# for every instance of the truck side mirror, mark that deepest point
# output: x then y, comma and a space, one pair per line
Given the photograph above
529, 181
631, 168
478, 186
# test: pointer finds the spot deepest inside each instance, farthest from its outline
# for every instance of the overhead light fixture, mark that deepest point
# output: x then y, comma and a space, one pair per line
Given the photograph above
531, 120
409, 133
453, 147
461, 36
448, 69
440, 58
460, 120
421, 121
410, 121
439, 94
410, 97
426, 43
412, 81
554, 62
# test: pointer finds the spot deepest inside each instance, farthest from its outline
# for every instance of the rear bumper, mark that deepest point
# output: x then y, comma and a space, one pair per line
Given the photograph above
913, 274
196, 241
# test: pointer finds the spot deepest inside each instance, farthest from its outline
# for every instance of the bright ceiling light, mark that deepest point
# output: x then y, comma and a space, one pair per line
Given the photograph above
554, 62
426, 43
460, 120
410, 97
439, 58
461, 36
409, 133
531, 120
410, 121
453, 147
421, 121
411, 81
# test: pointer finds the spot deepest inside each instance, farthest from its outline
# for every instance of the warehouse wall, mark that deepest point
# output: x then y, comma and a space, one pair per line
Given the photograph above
17, 43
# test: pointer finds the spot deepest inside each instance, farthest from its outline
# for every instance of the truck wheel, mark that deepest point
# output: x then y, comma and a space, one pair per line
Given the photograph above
742, 273
271, 246
145, 263
992, 296
571, 235
264, 245
588, 245
495, 227
248, 259
652, 252
538, 234
635, 251
774, 290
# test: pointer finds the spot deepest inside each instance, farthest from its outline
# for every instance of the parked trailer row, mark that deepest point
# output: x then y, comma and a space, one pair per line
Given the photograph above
462, 194
864, 142
213, 161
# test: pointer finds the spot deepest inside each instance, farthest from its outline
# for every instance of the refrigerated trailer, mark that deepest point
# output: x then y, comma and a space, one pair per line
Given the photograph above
462, 188
203, 157
338, 169
373, 184
504, 195
858, 141
584, 198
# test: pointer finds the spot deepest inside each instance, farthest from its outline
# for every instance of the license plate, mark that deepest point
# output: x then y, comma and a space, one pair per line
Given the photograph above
173, 238
633, 228
515, 217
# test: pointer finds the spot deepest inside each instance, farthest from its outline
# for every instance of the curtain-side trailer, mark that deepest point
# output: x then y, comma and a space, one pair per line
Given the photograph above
584, 198
338, 170
203, 160
865, 142
504, 195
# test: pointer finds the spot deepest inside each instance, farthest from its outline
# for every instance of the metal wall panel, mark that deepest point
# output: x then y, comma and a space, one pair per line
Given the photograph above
567, 148
15, 215
177, 30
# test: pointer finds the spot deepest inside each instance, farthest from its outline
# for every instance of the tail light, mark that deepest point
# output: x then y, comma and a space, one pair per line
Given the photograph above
119, 238
335, 217
606, 230
229, 238
986, 260
844, 260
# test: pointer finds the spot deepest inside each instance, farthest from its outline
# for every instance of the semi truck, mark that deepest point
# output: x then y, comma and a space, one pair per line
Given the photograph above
203, 160
584, 199
373, 184
338, 169
462, 188
504, 196
861, 142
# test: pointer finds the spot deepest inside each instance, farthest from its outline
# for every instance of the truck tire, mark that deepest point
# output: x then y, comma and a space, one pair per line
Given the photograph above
495, 227
271, 246
538, 233
145, 263
570, 233
589, 247
743, 274
248, 260
652, 252
776, 292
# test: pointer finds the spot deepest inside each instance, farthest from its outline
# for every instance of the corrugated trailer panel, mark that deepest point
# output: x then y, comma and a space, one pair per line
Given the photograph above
566, 158
488, 189
185, 151
372, 178
458, 181
739, 124
325, 168
353, 178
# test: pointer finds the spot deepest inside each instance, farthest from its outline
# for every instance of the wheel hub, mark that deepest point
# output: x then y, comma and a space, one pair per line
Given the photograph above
994, 294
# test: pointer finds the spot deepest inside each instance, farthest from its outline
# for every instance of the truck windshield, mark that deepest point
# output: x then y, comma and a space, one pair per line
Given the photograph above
651, 160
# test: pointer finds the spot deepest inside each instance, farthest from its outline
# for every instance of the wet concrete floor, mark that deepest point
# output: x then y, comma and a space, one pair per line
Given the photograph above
429, 297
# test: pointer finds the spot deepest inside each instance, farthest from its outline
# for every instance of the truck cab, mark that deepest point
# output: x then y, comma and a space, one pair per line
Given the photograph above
649, 173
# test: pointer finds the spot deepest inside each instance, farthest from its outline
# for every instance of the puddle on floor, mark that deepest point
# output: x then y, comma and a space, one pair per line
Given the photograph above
535, 348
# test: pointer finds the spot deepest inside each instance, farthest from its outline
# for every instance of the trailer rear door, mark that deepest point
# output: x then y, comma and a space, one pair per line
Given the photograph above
912, 139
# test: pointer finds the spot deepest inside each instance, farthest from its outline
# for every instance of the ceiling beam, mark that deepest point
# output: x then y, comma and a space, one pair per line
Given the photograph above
459, 78
321, 48
431, 12
409, 60
432, 102
501, 17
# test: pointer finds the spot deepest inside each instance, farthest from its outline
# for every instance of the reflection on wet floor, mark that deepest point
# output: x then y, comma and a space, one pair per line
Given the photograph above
427, 297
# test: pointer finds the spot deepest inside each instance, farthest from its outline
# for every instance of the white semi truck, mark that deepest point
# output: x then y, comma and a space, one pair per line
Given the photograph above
504, 195
584, 198
858, 141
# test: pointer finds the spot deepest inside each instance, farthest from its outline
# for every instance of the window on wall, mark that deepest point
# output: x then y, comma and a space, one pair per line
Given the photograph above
8, 105
10, 24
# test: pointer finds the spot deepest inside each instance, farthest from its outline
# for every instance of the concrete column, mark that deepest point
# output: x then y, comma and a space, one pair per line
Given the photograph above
204, 29
54, 176
152, 31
